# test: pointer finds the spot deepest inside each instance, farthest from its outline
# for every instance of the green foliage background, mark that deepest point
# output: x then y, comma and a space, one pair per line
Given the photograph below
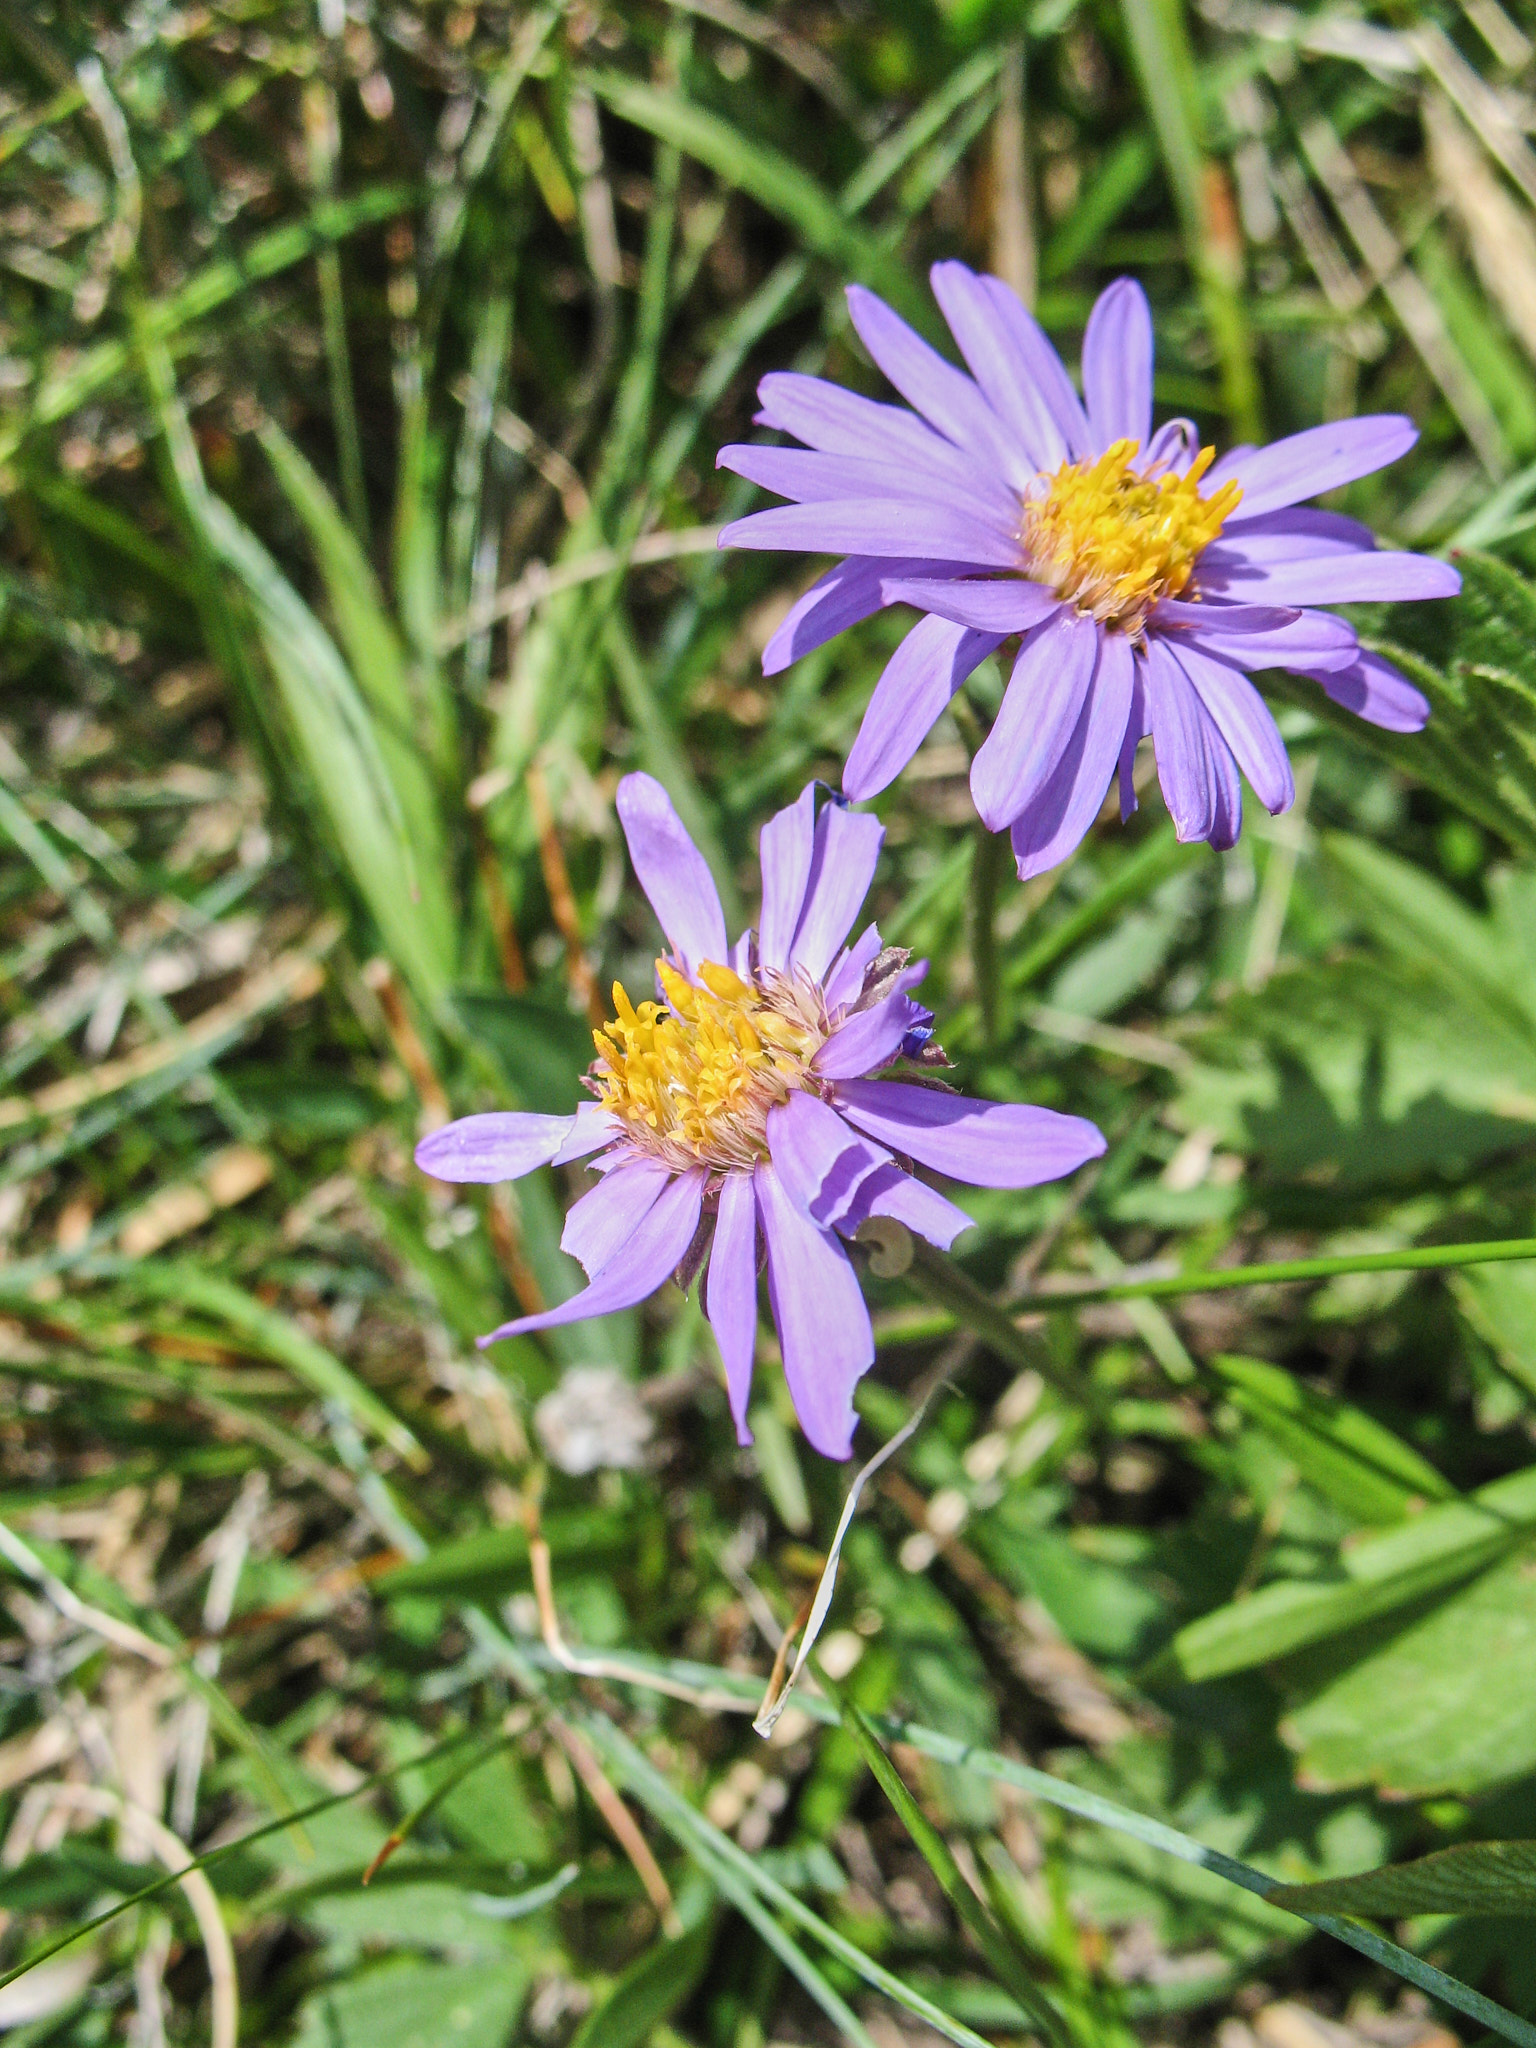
361, 372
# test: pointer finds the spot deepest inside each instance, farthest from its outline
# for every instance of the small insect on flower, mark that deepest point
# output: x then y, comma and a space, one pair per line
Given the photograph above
1144, 577
774, 1099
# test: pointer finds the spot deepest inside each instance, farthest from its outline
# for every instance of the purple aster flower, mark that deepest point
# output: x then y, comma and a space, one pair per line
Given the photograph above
1143, 578
774, 1100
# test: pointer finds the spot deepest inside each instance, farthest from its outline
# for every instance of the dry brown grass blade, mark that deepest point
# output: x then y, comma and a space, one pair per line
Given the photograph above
1500, 234
174, 1854
562, 900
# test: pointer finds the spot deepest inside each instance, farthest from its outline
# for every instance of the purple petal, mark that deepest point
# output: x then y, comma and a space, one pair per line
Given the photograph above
840, 422
1011, 605
843, 857
1375, 691
784, 855
823, 1325
598, 1224
846, 979
1069, 801
870, 1038
593, 1127
814, 478
1312, 640
1305, 465
918, 681
1172, 449
648, 1254
1117, 365
1244, 722
878, 526
989, 1144
890, 1192
1380, 575
1289, 536
501, 1145
730, 1292
821, 1164
1194, 763
1137, 726
672, 872
1039, 715
1228, 618
939, 392
845, 595
1019, 372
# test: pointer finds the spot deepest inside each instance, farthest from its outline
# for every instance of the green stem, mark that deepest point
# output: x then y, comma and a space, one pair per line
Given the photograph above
946, 1283
1412, 1259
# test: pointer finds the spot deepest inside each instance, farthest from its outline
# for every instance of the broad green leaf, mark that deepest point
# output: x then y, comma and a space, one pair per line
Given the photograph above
1290, 1614
1472, 658
1439, 1701
1473, 1877
1500, 1304
1415, 916
1440, 1548
1377, 1071
403, 1910
542, 1051
417, 2005
1337, 1448
1501, 1510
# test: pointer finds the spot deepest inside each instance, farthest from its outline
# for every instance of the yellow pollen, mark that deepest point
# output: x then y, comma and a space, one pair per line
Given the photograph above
693, 1082
1113, 542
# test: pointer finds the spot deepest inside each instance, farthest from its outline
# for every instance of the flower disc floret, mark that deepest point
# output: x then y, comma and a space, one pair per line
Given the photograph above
1114, 541
693, 1081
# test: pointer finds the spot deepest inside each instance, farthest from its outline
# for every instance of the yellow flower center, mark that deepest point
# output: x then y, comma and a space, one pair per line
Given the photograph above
1113, 542
693, 1082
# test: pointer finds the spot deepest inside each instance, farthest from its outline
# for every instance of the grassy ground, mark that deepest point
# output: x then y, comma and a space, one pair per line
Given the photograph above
361, 378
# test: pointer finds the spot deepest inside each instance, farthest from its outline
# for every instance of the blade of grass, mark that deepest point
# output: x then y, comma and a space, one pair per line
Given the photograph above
272, 1335
1007, 1966
1165, 63
703, 1839
718, 1686
96, 368
768, 178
